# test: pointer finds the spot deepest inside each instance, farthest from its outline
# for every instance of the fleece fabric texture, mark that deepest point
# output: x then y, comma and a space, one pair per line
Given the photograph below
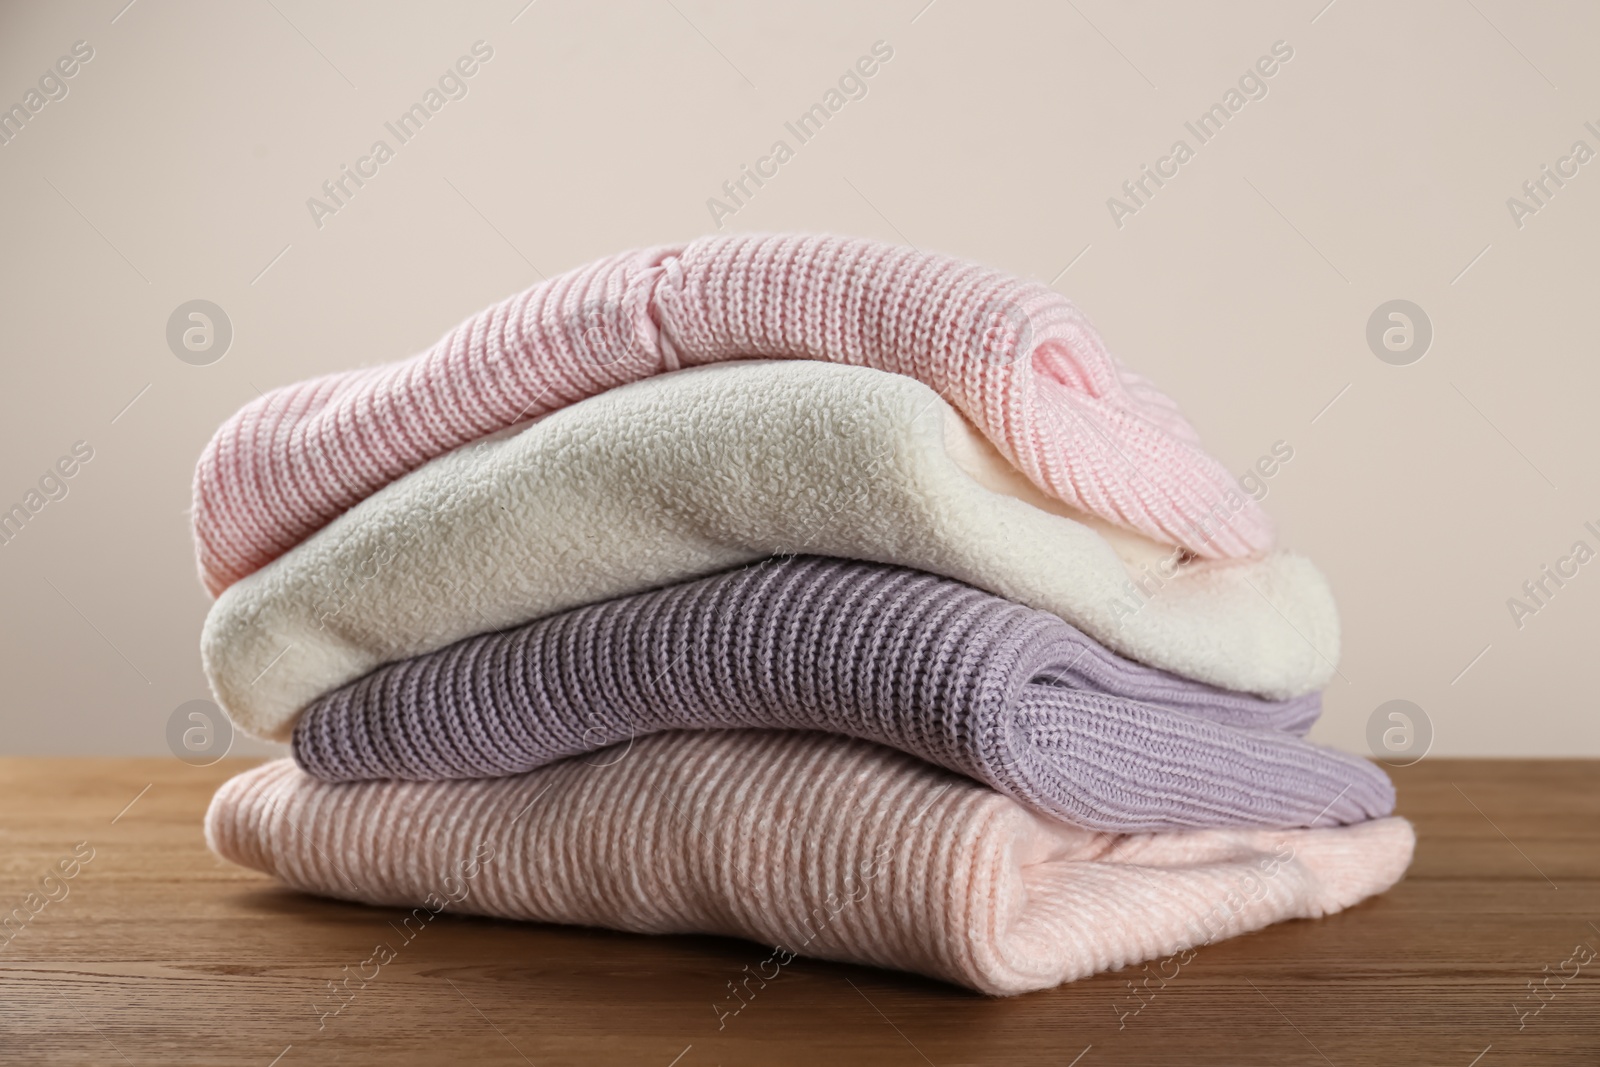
1013, 356
687, 474
1003, 693
819, 845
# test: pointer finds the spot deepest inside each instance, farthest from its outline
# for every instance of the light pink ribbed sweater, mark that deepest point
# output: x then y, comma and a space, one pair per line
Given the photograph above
817, 844
1018, 359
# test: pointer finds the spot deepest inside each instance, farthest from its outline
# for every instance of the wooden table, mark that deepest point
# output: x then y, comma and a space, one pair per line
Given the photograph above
157, 953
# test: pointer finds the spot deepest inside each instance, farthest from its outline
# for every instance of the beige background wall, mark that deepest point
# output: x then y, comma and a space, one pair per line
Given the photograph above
1376, 167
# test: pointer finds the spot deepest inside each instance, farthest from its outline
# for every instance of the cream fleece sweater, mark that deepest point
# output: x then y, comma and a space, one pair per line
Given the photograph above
813, 843
694, 472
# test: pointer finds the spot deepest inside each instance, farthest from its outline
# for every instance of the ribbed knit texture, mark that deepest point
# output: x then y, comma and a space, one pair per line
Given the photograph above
1016, 358
688, 474
817, 844
1005, 694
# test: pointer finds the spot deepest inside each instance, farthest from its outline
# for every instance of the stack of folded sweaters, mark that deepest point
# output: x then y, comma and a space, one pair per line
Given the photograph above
822, 592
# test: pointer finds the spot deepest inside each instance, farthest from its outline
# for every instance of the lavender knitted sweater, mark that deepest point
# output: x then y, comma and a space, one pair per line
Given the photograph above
1006, 694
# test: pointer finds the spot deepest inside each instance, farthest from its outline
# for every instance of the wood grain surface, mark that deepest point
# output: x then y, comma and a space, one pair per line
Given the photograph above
155, 952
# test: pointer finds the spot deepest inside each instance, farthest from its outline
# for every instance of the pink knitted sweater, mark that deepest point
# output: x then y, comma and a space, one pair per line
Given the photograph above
1017, 359
814, 843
